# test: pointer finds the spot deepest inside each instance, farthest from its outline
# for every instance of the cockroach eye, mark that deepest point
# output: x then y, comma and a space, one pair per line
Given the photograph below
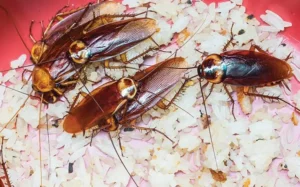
200, 71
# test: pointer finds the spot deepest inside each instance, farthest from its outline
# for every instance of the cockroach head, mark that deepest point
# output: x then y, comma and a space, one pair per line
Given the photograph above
37, 51
212, 69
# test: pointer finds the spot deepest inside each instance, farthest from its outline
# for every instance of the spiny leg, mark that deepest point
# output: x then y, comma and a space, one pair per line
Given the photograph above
77, 97
120, 143
253, 47
272, 98
151, 130
210, 91
231, 99
230, 40
107, 125
180, 91
25, 81
57, 16
30, 32
288, 57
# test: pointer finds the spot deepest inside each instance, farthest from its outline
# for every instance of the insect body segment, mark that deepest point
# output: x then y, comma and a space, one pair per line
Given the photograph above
62, 26
110, 96
244, 68
111, 40
126, 99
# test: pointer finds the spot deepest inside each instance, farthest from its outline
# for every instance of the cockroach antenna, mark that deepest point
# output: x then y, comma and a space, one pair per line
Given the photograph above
112, 142
15, 26
208, 123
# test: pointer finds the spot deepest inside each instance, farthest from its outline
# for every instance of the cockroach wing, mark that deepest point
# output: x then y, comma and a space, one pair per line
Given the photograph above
251, 68
118, 37
81, 16
87, 113
156, 82
60, 36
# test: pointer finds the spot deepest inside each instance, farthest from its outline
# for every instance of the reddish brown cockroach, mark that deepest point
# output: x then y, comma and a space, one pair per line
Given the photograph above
125, 99
104, 40
128, 97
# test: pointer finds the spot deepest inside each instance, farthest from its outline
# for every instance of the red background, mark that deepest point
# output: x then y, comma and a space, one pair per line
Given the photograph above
23, 11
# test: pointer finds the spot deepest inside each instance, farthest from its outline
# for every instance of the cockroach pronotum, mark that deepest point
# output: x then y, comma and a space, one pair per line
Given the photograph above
125, 99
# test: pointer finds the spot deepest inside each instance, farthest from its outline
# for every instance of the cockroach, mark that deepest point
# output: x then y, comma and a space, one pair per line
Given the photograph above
128, 97
124, 100
104, 43
245, 69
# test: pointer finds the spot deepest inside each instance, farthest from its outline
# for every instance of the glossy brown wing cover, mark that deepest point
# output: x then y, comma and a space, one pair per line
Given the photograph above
251, 68
118, 37
107, 40
81, 16
87, 113
154, 85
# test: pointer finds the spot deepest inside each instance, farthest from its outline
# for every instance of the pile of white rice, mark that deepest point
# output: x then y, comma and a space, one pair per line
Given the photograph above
259, 148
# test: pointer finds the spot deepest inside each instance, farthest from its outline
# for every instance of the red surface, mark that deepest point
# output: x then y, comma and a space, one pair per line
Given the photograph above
24, 11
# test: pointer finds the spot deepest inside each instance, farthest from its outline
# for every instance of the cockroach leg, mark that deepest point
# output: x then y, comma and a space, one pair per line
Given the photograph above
136, 57
77, 97
230, 40
57, 16
152, 130
25, 81
288, 57
67, 83
210, 91
69, 103
30, 32
204, 54
272, 98
43, 29
253, 47
94, 133
231, 99
180, 91
85, 30
284, 84
120, 143
169, 102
